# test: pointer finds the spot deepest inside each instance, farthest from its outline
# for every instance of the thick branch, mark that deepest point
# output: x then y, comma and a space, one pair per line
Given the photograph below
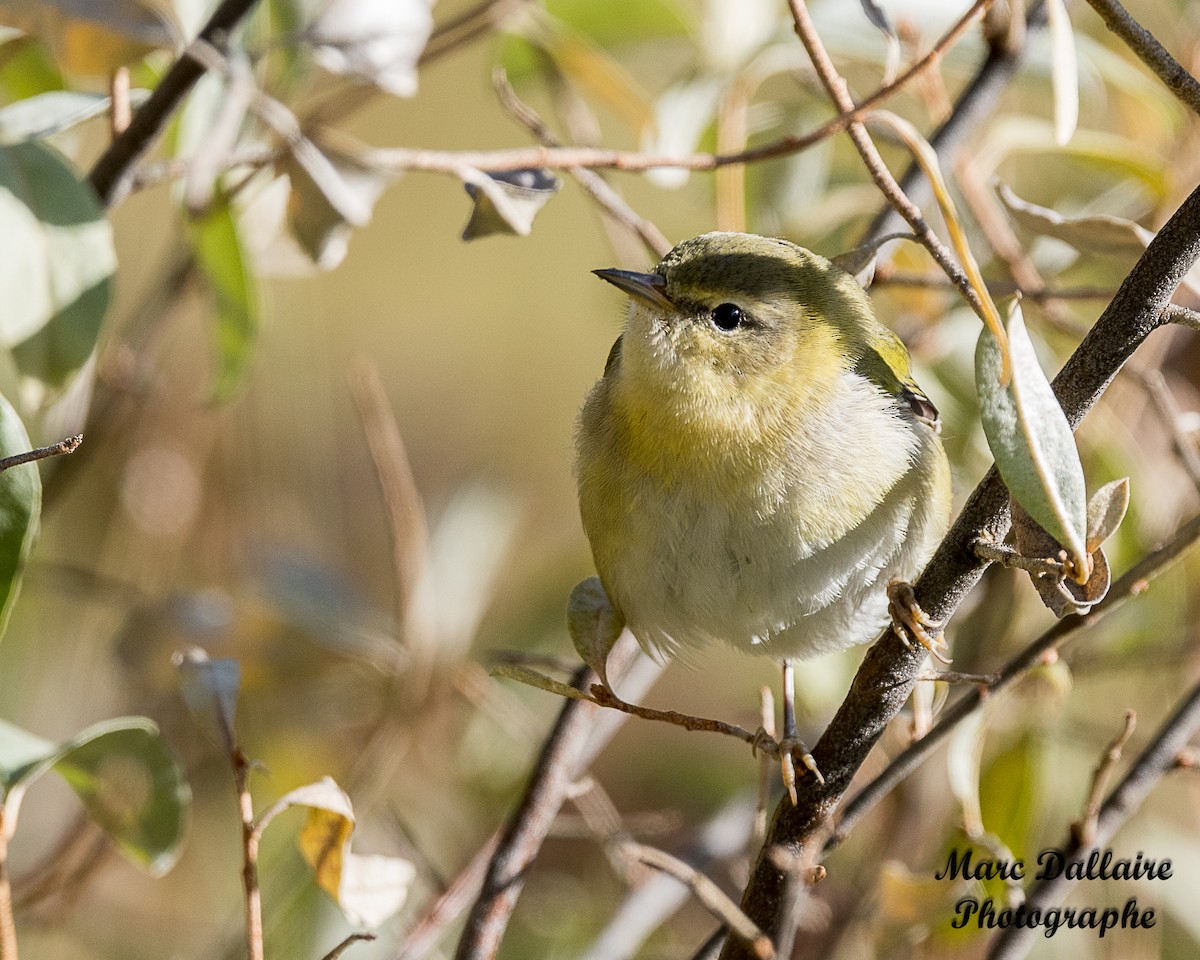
889, 671
108, 176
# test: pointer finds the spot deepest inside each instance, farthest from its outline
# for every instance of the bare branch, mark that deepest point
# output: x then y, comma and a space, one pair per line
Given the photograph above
108, 176
1084, 830
69, 445
1152, 53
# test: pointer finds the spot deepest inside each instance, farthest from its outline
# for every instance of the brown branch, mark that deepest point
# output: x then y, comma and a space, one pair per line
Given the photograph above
347, 943
69, 445
976, 102
889, 671
250, 840
838, 92
710, 896
1158, 759
1182, 316
575, 739
1152, 53
1083, 831
604, 697
109, 175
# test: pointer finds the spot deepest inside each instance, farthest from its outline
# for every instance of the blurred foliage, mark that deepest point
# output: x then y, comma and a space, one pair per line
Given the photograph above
234, 494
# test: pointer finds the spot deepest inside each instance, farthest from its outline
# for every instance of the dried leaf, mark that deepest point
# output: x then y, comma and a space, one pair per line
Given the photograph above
507, 202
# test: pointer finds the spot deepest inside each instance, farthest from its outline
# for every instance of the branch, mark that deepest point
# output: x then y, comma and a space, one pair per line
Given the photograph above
977, 101
1155, 761
889, 671
1152, 53
69, 445
577, 737
109, 175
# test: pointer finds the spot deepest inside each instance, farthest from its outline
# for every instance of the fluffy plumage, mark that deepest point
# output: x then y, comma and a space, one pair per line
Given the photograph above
756, 482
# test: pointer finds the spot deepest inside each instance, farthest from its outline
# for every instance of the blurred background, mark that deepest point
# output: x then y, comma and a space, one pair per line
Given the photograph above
255, 527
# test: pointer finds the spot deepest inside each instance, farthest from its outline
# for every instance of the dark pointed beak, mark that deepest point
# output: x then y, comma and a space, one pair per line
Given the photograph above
650, 288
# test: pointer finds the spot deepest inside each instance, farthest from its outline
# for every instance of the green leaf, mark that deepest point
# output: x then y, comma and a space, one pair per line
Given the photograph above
1031, 440
221, 256
26, 69
57, 262
123, 772
20, 507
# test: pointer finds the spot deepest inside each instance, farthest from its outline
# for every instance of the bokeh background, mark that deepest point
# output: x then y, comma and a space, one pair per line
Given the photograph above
255, 528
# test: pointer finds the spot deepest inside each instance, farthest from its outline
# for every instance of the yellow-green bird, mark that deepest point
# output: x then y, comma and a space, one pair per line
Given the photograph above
756, 464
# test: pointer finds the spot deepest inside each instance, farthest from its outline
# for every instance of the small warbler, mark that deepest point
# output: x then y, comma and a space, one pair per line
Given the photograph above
756, 464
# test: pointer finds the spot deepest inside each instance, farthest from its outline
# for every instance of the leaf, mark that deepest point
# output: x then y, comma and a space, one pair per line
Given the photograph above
534, 679
681, 115
507, 202
1064, 74
53, 112
57, 263
332, 192
210, 689
216, 240
1031, 440
369, 889
20, 508
378, 41
593, 624
963, 761
1105, 511
123, 772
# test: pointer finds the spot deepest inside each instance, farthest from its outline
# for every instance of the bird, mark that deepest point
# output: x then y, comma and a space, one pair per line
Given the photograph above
756, 466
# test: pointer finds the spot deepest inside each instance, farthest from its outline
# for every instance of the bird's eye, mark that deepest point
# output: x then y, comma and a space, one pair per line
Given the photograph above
728, 316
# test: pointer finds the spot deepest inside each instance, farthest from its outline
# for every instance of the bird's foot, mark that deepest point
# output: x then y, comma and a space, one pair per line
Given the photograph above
912, 623
787, 751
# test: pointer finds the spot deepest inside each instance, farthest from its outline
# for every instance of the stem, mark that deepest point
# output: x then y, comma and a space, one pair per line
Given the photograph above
8, 927
250, 838
69, 445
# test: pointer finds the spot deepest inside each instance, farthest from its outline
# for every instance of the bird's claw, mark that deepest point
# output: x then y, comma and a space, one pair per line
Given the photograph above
786, 751
912, 623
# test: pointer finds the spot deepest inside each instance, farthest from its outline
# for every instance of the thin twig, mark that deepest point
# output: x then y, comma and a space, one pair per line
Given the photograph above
1156, 387
8, 927
604, 697
840, 94
592, 183
954, 676
1182, 316
1158, 759
1007, 556
710, 896
1083, 831
250, 840
108, 175
347, 943
69, 445
1152, 53
886, 276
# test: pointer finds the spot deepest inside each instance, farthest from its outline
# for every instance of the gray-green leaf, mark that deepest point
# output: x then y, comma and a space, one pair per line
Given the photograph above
1031, 440
593, 624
